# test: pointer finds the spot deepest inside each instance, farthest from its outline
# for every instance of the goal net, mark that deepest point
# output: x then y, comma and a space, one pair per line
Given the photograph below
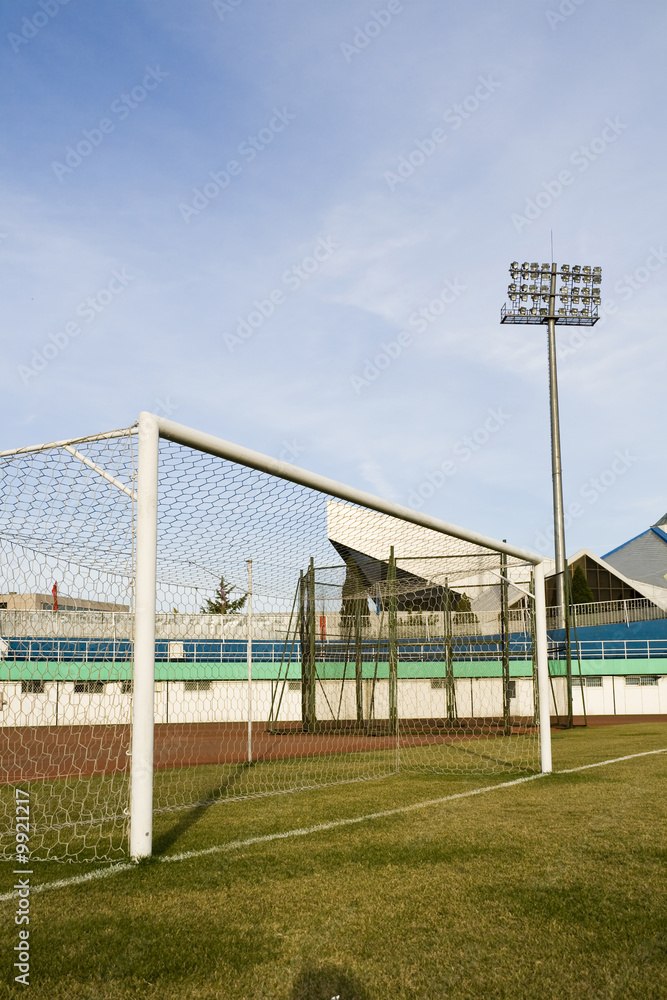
184, 622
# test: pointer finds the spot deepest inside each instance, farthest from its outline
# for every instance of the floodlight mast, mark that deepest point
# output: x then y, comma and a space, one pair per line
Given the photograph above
589, 278
556, 465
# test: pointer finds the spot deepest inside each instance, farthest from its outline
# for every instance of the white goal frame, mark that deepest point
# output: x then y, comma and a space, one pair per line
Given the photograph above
151, 429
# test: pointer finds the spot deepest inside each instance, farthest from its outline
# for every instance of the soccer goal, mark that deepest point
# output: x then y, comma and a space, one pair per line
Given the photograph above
184, 621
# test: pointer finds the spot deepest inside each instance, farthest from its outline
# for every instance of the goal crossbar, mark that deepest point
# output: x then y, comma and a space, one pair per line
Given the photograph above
212, 445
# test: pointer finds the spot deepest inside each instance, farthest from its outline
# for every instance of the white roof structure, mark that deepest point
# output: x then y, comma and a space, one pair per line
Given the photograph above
437, 559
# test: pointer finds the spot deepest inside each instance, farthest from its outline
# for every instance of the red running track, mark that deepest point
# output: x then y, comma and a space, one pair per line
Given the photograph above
50, 752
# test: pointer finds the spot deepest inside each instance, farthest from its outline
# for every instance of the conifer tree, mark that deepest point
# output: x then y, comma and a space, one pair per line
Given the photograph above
581, 593
221, 603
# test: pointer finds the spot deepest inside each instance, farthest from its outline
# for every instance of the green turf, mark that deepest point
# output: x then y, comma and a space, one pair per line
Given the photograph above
554, 888
85, 818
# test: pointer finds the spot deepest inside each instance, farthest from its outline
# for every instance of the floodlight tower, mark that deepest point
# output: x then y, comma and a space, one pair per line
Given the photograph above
532, 296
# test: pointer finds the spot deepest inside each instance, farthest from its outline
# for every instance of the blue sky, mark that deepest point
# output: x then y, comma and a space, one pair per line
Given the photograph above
372, 160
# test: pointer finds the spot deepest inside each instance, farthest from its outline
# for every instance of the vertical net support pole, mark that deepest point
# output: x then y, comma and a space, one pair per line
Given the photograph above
249, 659
450, 684
312, 649
141, 795
505, 636
304, 644
393, 647
308, 649
542, 669
358, 658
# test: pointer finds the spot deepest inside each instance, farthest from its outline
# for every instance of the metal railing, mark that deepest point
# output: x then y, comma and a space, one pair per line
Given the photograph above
273, 626
470, 647
611, 649
607, 613
119, 625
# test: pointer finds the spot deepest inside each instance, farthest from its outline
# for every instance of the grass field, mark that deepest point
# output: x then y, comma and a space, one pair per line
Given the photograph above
552, 888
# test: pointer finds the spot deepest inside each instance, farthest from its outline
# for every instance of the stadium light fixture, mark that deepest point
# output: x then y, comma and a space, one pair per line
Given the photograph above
571, 299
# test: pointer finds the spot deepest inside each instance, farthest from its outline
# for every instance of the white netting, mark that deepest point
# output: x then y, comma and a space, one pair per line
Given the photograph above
66, 692
376, 644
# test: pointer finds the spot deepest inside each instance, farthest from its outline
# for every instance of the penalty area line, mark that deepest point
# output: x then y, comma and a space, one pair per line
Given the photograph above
386, 813
235, 845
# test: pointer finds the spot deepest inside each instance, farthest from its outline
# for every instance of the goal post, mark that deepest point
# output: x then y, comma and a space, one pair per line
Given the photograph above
143, 697
151, 429
185, 622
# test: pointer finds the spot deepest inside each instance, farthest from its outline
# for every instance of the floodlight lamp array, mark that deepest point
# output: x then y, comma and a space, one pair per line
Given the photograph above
573, 300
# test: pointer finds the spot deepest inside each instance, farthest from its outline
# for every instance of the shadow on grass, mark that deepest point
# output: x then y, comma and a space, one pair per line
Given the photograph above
510, 767
197, 811
327, 982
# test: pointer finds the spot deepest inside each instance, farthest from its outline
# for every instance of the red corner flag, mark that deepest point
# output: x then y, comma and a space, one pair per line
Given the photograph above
54, 591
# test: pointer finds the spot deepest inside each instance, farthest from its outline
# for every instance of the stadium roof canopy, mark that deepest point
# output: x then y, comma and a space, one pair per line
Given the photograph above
643, 559
427, 563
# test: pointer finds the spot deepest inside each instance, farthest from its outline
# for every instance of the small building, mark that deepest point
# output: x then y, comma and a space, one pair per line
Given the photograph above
14, 601
606, 582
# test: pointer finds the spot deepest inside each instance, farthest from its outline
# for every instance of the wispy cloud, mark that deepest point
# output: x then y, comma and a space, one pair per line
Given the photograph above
233, 66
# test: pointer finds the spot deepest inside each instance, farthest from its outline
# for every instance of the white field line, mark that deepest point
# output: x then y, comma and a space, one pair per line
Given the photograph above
236, 845
614, 760
75, 880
